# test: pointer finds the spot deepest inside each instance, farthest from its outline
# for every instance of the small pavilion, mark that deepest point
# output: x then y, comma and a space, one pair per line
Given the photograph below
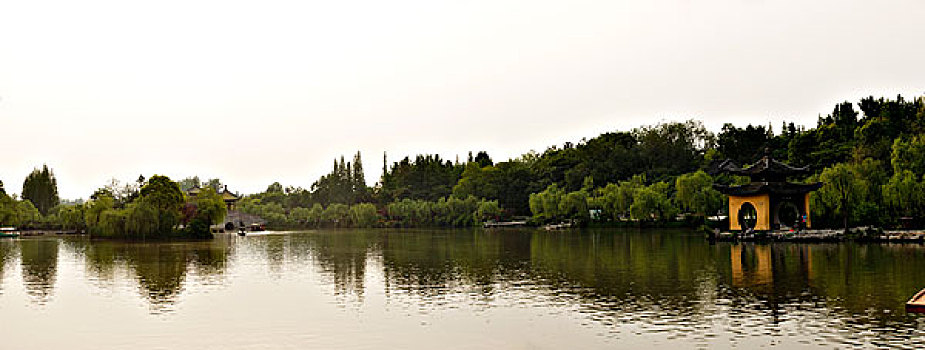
769, 201
230, 198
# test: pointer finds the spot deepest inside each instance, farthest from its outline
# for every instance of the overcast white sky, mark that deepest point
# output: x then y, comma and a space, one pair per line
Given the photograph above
259, 91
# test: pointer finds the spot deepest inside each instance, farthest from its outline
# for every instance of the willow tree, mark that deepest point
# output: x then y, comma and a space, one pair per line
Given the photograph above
842, 190
696, 194
904, 193
41, 188
652, 203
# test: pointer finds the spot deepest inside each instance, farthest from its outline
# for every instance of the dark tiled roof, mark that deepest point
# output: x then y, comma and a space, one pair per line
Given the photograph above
756, 188
768, 165
228, 195
766, 169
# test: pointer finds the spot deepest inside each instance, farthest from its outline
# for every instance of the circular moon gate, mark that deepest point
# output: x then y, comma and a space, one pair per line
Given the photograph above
788, 214
748, 216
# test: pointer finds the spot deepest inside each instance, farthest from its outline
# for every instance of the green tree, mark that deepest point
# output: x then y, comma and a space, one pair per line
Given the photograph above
364, 215
72, 216
482, 159
427, 177
651, 203
478, 181
95, 208
615, 200
672, 148
164, 195
111, 223
272, 212
360, 191
885, 120
275, 187
488, 210
41, 188
908, 154
7, 209
18, 212
545, 205
872, 207
141, 220
339, 186
190, 182
841, 190
743, 145
300, 216
214, 184
315, 214
904, 193
574, 206
210, 206
337, 214
695, 193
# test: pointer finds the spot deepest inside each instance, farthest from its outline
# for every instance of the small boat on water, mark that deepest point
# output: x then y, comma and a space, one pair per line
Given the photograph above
496, 224
559, 226
917, 303
8, 232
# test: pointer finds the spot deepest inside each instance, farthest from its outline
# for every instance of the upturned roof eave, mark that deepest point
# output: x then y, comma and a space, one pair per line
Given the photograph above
767, 188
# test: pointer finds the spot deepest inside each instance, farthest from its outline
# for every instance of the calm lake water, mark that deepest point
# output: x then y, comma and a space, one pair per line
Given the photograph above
465, 289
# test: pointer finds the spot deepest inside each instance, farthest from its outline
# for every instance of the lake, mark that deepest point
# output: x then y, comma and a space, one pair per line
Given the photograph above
457, 289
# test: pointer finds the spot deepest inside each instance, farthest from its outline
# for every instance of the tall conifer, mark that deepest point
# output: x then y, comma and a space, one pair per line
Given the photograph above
41, 188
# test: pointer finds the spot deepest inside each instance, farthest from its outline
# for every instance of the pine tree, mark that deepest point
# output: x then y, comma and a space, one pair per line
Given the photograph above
348, 175
385, 166
359, 178
41, 188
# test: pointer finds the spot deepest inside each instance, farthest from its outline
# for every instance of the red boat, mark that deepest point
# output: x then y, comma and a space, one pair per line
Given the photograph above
917, 303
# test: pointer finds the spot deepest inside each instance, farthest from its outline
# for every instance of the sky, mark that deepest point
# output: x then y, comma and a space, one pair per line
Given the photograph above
254, 92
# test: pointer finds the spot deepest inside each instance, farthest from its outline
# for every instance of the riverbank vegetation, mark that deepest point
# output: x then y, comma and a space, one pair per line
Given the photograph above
869, 154
156, 210
148, 209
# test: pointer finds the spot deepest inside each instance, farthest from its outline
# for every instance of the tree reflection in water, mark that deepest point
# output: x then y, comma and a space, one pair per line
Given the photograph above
161, 268
39, 260
662, 281
342, 259
665, 282
7, 256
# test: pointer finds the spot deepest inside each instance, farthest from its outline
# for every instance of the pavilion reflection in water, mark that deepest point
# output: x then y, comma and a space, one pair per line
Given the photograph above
754, 265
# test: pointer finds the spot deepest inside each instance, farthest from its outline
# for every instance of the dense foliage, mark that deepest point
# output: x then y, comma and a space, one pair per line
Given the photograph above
158, 210
18, 213
870, 156
874, 149
444, 212
41, 188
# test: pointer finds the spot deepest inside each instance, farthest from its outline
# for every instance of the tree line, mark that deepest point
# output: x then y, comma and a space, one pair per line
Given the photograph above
869, 154
152, 208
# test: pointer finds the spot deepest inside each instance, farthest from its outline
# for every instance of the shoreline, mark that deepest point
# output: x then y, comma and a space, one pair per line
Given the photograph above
859, 234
